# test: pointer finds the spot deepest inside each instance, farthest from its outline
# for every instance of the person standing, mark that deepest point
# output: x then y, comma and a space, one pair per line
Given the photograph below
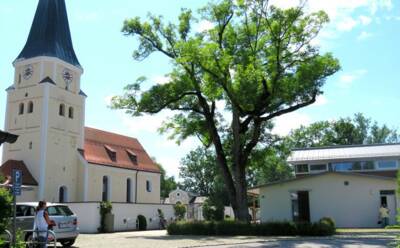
41, 224
384, 215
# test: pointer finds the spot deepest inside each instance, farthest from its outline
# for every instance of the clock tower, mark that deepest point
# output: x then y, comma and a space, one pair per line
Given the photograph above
45, 105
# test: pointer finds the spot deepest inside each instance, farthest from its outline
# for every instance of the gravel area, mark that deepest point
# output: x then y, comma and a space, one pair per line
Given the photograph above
159, 239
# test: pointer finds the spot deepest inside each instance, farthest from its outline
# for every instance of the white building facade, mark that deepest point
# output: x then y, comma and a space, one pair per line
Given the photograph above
348, 184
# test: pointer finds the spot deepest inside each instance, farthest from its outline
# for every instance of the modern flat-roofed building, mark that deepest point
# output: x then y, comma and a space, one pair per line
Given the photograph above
347, 183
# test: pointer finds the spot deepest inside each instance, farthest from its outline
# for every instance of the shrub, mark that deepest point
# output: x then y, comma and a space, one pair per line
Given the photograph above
328, 220
180, 211
6, 208
142, 222
213, 212
105, 208
285, 228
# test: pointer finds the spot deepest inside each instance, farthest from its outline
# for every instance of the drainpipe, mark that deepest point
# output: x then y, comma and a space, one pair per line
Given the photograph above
137, 172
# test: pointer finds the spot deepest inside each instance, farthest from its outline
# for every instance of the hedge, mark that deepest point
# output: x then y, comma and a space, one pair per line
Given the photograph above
323, 227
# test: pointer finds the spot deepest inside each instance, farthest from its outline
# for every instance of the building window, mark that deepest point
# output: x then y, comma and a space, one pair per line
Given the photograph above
21, 109
19, 78
302, 168
111, 153
148, 186
343, 166
30, 145
61, 110
128, 190
363, 165
30, 107
318, 167
106, 188
71, 112
387, 165
62, 194
132, 156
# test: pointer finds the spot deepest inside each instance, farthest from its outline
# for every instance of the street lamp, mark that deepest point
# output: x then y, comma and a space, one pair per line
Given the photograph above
7, 137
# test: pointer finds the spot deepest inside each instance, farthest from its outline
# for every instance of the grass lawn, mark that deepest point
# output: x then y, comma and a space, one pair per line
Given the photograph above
365, 230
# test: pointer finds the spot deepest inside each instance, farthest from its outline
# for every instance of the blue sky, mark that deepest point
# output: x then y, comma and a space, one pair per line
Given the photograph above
363, 35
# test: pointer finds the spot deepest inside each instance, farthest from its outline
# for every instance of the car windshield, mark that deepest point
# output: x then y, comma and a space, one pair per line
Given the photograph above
59, 211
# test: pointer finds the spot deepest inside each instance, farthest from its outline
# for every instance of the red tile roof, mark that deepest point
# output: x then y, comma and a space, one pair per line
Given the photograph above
97, 142
7, 168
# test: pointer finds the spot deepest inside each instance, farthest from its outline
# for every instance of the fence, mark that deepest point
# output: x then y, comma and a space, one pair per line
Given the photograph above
125, 215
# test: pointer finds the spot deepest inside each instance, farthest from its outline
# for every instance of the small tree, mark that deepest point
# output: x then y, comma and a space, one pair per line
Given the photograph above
105, 208
180, 211
213, 211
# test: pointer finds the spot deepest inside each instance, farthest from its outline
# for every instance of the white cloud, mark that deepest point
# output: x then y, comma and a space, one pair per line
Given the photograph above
321, 100
204, 25
285, 123
346, 80
364, 35
107, 99
365, 20
347, 24
161, 79
145, 123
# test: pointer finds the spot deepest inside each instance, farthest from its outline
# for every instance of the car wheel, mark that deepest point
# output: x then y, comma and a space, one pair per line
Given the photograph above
67, 243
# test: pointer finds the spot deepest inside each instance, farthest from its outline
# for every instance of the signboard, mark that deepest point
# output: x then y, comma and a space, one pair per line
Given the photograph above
17, 182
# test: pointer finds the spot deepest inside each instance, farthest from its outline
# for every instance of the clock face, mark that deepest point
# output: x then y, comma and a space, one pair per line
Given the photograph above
28, 72
67, 76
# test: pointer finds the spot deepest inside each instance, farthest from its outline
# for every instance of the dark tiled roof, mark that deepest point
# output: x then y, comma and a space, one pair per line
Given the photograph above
50, 34
97, 142
7, 168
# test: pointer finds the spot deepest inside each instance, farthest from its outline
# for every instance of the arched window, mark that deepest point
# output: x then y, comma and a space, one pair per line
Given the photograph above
21, 108
61, 110
148, 186
62, 194
71, 112
128, 190
30, 145
106, 189
30, 107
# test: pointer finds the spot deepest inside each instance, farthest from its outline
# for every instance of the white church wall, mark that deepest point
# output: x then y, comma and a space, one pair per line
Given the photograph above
125, 215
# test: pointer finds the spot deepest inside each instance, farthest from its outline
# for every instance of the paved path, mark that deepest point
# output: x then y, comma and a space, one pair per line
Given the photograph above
159, 239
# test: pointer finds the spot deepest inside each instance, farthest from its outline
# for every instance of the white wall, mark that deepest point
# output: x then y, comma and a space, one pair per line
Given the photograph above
355, 205
125, 215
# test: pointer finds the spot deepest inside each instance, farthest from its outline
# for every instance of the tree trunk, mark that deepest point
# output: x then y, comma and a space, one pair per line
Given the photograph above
242, 210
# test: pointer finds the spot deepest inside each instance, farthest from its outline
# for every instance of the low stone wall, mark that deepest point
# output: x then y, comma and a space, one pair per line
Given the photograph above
125, 215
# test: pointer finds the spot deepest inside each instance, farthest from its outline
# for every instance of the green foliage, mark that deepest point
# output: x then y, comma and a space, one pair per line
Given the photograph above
168, 184
255, 64
142, 222
213, 211
6, 208
105, 208
179, 211
232, 228
344, 131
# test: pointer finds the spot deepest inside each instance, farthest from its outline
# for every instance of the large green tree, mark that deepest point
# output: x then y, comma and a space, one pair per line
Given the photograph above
257, 61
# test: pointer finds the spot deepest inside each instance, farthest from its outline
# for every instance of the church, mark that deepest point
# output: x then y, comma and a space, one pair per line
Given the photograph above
61, 159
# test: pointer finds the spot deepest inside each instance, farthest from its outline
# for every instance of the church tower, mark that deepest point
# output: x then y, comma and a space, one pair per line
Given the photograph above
46, 107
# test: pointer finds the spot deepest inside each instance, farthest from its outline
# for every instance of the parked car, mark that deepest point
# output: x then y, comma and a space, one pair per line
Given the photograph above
66, 228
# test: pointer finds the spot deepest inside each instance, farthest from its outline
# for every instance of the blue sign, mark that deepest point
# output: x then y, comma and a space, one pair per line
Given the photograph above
17, 182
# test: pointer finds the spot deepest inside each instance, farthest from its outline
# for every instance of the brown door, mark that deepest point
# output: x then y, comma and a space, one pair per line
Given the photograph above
304, 206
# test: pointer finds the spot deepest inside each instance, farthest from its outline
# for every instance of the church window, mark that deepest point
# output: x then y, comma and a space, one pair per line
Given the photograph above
111, 153
105, 193
132, 156
128, 190
30, 107
30, 145
71, 112
61, 110
19, 78
62, 194
148, 186
21, 108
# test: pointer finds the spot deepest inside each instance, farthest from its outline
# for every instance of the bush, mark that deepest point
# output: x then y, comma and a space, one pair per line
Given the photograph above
180, 211
6, 208
232, 228
142, 222
105, 208
213, 212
